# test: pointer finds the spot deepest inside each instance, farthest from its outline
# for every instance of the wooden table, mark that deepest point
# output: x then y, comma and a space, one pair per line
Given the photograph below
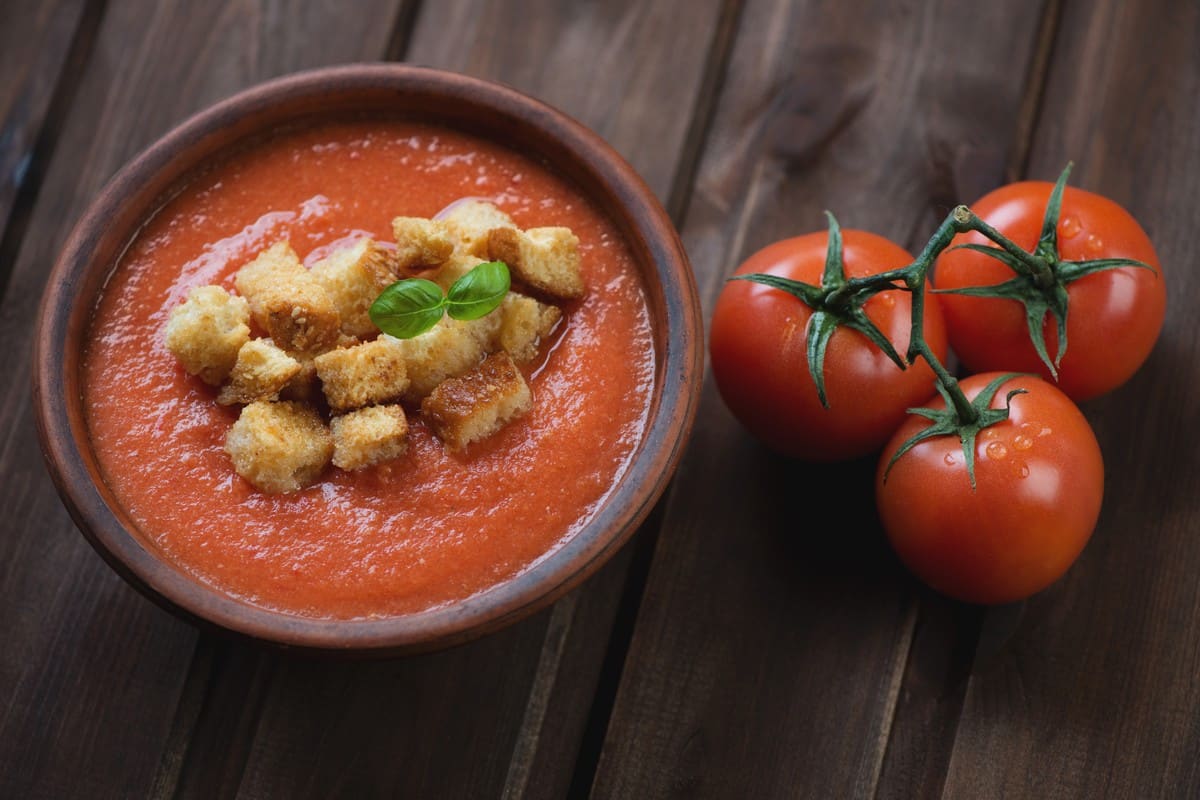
734, 648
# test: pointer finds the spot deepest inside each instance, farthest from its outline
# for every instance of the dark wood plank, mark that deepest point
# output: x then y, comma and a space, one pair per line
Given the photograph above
775, 636
90, 672
1095, 692
949, 635
37, 40
921, 737
503, 716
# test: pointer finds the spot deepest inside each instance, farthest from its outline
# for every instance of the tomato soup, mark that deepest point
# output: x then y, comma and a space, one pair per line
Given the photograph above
431, 527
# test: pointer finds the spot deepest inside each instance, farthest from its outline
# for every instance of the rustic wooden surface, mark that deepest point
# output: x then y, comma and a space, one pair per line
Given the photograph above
734, 648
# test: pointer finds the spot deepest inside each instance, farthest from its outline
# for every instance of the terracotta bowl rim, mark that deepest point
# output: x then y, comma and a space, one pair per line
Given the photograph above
62, 431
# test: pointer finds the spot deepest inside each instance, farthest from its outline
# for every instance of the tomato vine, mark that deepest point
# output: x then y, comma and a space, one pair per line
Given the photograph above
1040, 284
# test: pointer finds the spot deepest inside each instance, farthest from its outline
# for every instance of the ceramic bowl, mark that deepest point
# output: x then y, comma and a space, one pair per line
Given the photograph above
485, 109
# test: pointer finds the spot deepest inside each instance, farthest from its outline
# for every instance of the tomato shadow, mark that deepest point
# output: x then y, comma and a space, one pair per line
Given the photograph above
827, 544
825, 523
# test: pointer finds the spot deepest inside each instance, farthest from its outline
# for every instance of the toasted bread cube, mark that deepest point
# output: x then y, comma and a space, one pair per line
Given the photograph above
422, 245
279, 447
446, 350
353, 277
303, 386
288, 302
277, 266
454, 268
206, 332
474, 406
368, 436
524, 322
545, 258
306, 386
261, 371
363, 375
469, 222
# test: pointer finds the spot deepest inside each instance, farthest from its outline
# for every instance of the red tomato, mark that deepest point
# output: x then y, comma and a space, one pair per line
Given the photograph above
757, 342
1039, 482
1114, 316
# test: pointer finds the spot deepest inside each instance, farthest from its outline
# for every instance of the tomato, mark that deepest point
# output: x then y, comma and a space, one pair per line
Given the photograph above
757, 342
1039, 484
1114, 316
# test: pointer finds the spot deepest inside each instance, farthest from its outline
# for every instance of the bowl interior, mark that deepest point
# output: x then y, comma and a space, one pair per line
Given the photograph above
397, 91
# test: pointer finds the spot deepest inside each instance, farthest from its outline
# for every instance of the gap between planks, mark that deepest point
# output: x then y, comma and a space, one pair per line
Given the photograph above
198, 687
30, 168
720, 50
199, 682
1028, 115
560, 624
520, 764
1037, 75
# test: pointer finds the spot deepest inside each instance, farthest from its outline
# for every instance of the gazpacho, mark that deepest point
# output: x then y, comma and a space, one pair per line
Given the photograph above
271, 441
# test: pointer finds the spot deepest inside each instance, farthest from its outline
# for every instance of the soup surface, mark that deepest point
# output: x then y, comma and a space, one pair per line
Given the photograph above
424, 530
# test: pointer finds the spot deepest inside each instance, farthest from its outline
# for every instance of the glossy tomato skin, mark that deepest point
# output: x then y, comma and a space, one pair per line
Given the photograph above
1114, 317
757, 342
1039, 485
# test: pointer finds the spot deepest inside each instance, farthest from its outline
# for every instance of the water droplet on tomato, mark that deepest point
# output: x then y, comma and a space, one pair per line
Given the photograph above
886, 300
949, 459
1095, 244
1021, 469
1069, 227
1044, 432
1022, 442
996, 450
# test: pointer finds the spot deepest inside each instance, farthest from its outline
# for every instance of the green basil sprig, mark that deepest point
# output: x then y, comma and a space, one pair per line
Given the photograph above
412, 306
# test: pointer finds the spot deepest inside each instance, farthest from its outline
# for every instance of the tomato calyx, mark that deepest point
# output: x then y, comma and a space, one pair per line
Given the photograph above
949, 421
837, 302
1042, 276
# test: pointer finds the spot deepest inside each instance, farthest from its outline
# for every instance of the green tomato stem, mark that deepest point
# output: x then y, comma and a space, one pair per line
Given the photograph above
916, 275
844, 297
913, 278
1039, 269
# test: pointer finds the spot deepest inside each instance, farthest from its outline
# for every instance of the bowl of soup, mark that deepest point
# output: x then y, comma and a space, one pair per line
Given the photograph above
338, 489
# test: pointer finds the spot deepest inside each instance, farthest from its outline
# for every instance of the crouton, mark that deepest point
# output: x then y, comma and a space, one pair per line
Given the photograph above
303, 385
363, 375
369, 436
454, 268
261, 371
545, 258
524, 322
279, 447
469, 222
206, 332
353, 277
446, 350
474, 406
287, 301
422, 245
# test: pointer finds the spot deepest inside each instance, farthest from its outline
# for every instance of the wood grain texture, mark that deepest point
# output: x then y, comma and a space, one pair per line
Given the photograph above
37, 42
431, 726
774, 654
775, 632
503, 716
1095, 693
948, 635
90, 673
602, 63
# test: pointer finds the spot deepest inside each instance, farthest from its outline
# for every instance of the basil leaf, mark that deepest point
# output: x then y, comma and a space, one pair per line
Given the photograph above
479, 292
408, 308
